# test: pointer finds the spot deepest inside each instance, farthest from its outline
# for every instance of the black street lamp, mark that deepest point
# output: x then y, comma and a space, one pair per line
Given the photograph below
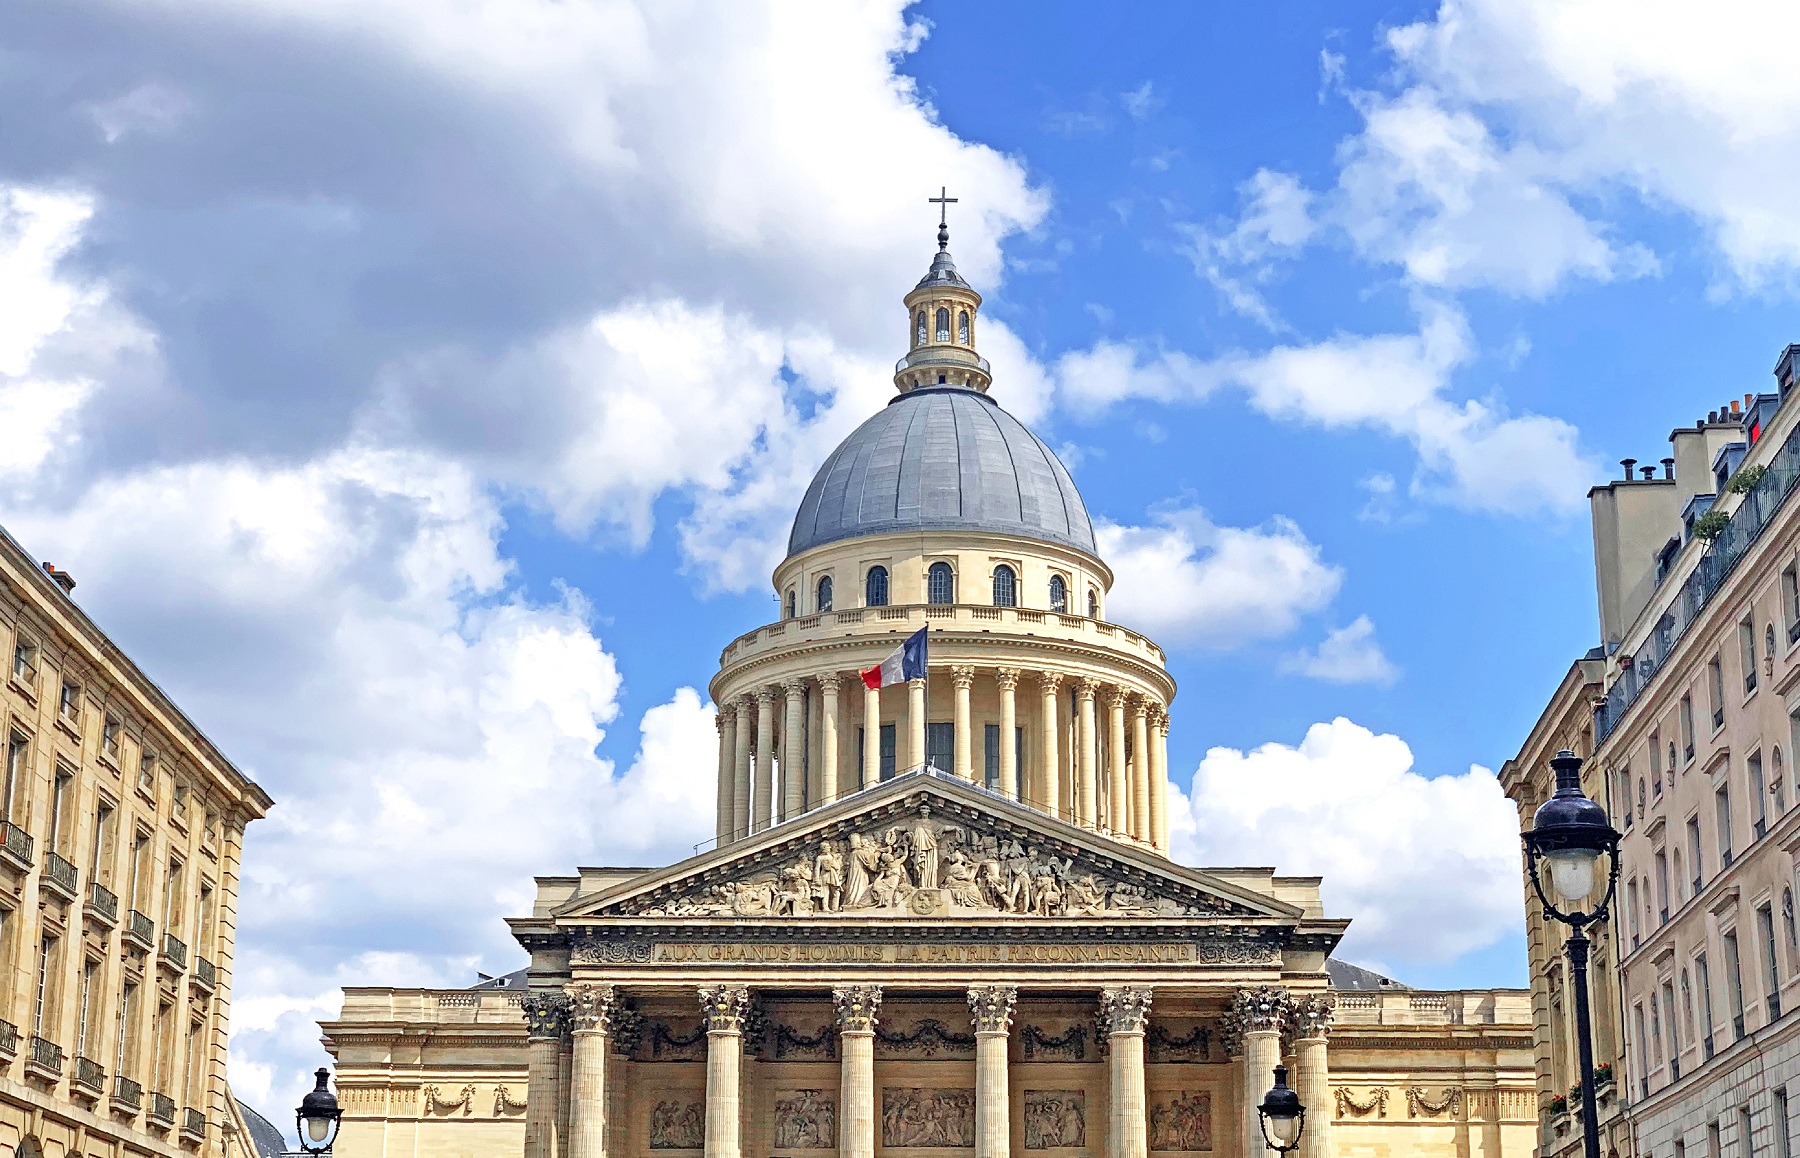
1571, 833
317, 1118
1281, 1114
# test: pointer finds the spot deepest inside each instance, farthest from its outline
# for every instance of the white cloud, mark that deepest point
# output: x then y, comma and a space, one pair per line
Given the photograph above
1190, 583
1275, 222
1347, 655
1141, 101
1428, 868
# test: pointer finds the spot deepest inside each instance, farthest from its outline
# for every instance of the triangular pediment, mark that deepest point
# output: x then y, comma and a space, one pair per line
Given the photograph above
925, 846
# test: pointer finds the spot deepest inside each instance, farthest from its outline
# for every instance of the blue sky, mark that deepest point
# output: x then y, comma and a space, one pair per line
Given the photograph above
421, 392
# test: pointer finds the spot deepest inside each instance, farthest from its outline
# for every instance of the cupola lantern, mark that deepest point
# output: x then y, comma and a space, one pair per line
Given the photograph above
941, 312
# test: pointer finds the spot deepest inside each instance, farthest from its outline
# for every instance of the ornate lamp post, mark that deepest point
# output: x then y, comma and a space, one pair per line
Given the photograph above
317, 1118
1571, 833
1281, 1114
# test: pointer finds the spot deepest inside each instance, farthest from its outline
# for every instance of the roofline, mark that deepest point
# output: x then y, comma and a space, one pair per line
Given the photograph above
145, 686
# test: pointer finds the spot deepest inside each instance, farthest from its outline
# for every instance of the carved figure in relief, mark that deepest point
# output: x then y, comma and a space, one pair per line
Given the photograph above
865, 863
923, 843
1046, 889
927, 1118
961, 880
678, 1125
1055, 1119
828, 878
890, 874
1181, 1122
794, 898
1086, 898
805, 1120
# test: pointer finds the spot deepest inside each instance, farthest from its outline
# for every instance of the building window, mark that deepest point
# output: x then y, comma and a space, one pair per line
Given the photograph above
1676, 856
1686, 719
172, 898
1006, 587
18, 775
1668, 1011
1765, 929
100, 864
1777, 781
124, 1058
43, 1001
875, 587
1703, 978
941, 584
1627, 812
943, 324
1059, 594
919, 332
59, 799
789, 606
1687, 1005
1656, 780
1722, 808
1715, 691
90, 971
888, 746
1784, 1139
940, 746
25, 665
69, 705
140, 870
1746, 1132
1713, 1145
1641, 797
1747, 652
1656, 1041
1093, 604
1787, 920
1631, 906
1734, 984
109, 738
962, 327
1694, 862
1643, 1050
1759, 805
824, 599
1662, 887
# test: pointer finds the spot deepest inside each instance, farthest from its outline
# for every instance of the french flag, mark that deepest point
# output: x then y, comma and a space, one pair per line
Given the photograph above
906, 662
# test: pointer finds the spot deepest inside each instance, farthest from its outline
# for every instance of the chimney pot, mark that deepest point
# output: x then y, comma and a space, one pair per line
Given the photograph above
1649, 472
1628, 464
62, 578
1668, 468
1712, 416
1734, 408
1748, 399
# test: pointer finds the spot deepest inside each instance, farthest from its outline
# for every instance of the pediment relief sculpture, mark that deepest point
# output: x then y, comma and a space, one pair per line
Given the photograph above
923, 867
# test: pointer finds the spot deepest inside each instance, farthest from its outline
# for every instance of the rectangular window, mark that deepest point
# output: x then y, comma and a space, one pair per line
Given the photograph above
1722, 810
1734, 984
1790, 601
109, 738
1643, 1052
1746, 1132
203, 939
1662, 887
940, 746
1784, 1137
1765, 931
140, 870
147, 772
18, 776
1747, 652
1668, 1008
887, 751
90, 972
990, 756
126, 1057
1695, 864
44, 1000
25, 657
69, 705
60, 830
100, 864
1625, 809
1656, 1040
1685, 717
1631, 906
160, 1074
195, 1041
1715, 691
1680, 1148
1703, 976
1656, 780
172, 899
1759, 805
1712, 1140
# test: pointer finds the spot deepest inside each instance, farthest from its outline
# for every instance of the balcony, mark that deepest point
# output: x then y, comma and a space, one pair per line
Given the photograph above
174, 951
1774, 1008
127, 1096
193, 1126
205, 976
45, 1059
60, 876
140, 929
940, 355
9, 1040
90, 1074
103, 904
162, 1109
15, 845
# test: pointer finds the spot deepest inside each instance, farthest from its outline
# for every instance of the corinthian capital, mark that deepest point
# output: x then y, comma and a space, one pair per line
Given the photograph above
857, 1006
1050, 681
962, 676
1231, 1034
1264, 1009
1116, 697
723, 1007
1124, 1010
794, 688
1086, 687
546, 1012
1008, 678
829, 682
992, 1007
1312, 1015
590, 1007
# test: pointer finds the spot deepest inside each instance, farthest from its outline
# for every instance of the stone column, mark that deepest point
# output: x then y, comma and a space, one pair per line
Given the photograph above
1140, 771
725, 720
992, 1007
1231, 1043
565, 1074
857, 1006
1159, 778
1124, 1012
627, 1033
1008, 678
590, 1014
740, 769
544, 1015
815, 750
963, 679
1263, 1012
723, 1007
793, 751
1118, 787
1087, 790
915, 724
1048, 759
765, 758
828, 738
871, 770
1312, 1077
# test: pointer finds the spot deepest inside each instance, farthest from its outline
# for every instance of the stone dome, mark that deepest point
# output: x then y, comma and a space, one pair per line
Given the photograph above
942, 459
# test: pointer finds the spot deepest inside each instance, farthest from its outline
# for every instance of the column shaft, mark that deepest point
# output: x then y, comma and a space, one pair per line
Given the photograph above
815, 749
793, 752
565, 1075
857, 1006
1125, 1012
726, 725
828, 738
992, 1008
740, 770
915, 724
871, 769
963, 680
1140, 772
765, 758
1312, 1082
590, 1008
1086, 788
1262, 1053
544, 1013
1048, 762
1159, 781
1009, 733
724, 1007
1118, 790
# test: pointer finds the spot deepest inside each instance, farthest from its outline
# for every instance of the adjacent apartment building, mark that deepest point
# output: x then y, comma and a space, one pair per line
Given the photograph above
121, 828
1688, 712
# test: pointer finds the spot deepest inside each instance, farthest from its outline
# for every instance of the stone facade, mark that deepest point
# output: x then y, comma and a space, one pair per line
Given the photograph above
121, 828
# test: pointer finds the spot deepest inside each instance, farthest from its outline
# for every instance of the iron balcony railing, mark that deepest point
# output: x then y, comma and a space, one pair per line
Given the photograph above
162, 1108
1759, 505
47, 1054
140, 929
193, 1124
104, 902
60, 875
16, 844
90, 1073
127, 1092
205, 974
9, 1039
174, 950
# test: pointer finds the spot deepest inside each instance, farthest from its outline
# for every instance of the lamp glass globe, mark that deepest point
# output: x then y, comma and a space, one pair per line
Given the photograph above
1572, 873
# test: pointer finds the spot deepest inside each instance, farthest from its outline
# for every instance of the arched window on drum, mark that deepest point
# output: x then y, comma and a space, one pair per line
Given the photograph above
943, 324
824, 600
962, 327
791, 601
875, 588
940, 584
919, 332
1093, 604
1059, 594
1006, 587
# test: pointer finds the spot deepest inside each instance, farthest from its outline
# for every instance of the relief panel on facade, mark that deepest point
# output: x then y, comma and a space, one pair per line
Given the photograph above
805, 1120
678, 1122
1181, 1121
1055, 1119
913, 1117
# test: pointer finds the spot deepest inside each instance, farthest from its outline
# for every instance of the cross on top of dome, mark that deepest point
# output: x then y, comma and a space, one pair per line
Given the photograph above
943, 201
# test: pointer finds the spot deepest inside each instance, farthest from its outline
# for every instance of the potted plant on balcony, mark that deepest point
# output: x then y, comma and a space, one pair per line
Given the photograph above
1559, 1106
1603, 1075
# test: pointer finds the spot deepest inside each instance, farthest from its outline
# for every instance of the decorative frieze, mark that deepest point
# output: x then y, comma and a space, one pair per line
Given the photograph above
930, 1038
668, 1045
1037, 1045
791, 1043
1125, 1009
436, 1103
723, 1007
992, 1007
857, 1007
1161, 1046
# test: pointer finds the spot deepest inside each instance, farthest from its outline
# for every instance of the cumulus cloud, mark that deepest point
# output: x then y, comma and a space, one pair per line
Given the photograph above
1347, 655
1427, 867
1190, 583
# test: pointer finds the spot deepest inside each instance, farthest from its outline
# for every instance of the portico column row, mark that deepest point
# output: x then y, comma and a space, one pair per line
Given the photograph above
1261, 1013
723, 1008
857, 1006
1123, 1013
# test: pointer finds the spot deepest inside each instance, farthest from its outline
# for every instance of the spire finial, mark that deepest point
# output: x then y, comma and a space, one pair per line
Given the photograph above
943, 201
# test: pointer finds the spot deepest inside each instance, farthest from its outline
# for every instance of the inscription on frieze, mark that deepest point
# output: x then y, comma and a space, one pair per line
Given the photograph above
913, 1117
